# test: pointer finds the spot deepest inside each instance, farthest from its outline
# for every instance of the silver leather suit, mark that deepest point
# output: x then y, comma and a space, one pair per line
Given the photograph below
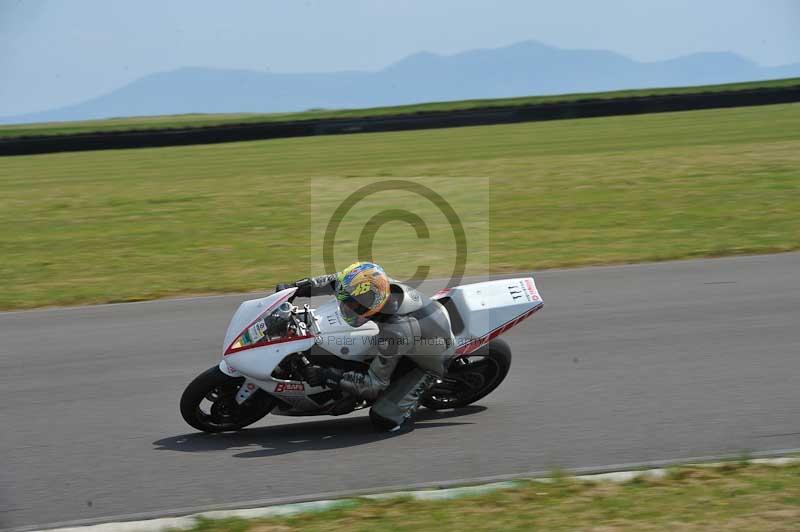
411, 325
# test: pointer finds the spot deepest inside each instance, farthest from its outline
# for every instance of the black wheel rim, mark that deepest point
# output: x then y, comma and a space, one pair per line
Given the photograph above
465, 382
219, 410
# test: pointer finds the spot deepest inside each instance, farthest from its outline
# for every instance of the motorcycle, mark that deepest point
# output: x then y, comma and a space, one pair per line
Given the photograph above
270, 342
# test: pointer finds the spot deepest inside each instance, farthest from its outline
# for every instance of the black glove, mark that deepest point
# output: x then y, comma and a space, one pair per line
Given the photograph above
304, 287
319, 376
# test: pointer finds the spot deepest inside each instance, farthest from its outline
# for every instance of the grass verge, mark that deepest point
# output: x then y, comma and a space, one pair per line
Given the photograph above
736, 496
94, 227
205, 120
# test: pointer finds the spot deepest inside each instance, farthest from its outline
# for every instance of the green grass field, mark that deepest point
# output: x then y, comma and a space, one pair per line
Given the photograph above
93, 227
200, 120
691, 499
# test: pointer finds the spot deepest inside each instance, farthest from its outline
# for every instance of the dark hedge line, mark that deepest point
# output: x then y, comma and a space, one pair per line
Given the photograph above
423, 120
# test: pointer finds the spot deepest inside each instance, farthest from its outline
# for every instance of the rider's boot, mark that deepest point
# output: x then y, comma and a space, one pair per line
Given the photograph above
401, 399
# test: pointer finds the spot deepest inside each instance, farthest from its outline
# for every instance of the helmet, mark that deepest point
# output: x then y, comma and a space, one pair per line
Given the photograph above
362, 290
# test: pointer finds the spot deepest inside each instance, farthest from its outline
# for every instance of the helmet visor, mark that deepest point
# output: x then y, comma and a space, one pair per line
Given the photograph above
349, 310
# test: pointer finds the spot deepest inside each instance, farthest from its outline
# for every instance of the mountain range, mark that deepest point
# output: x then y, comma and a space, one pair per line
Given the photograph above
522, 69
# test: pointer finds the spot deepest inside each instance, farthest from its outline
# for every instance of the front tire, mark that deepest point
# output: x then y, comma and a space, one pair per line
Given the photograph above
470, 378
209, 403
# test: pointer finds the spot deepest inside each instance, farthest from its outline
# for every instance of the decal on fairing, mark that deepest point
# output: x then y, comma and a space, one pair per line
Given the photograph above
290, 387
522, 290
530, 288
257, 331
334, 319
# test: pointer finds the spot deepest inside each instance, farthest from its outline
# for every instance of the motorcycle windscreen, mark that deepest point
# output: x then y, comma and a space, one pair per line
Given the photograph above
252, 346
253, 325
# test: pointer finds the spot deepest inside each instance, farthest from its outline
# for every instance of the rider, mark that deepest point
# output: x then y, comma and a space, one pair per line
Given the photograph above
410, 325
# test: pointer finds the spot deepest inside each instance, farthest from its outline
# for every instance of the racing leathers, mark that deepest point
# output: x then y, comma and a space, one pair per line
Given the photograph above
411, 325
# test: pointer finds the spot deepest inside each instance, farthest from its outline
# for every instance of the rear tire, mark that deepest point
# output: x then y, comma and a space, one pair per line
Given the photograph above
471, 378
209, 403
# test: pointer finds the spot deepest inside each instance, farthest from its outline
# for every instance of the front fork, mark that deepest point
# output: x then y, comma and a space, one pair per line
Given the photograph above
248, 387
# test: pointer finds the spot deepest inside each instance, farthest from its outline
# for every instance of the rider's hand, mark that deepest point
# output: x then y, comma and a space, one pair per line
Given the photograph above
319, 376
304, 287
315, 375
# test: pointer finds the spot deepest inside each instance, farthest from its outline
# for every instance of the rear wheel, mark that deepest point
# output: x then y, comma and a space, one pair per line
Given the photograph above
209, 403
471, 378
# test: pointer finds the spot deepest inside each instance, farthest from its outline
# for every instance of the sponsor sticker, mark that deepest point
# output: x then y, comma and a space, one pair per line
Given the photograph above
289, 387
257, 331
334, 319
523, 291
518, 293
530, 288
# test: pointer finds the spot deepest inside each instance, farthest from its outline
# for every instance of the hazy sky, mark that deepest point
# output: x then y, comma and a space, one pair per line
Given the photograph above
57, 52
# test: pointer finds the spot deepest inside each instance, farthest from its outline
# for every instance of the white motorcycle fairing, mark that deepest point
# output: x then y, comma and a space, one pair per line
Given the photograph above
478, 313
341, 339
258, 360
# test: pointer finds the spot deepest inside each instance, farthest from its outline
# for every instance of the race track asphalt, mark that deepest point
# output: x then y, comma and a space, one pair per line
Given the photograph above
624, 364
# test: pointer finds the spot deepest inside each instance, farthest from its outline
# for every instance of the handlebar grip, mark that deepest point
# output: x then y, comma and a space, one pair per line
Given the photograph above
304, 287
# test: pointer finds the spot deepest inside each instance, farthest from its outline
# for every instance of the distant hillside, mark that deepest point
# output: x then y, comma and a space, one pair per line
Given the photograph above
521, 69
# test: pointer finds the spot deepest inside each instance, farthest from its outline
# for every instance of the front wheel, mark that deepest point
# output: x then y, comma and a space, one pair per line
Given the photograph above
209, 403
471, 378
